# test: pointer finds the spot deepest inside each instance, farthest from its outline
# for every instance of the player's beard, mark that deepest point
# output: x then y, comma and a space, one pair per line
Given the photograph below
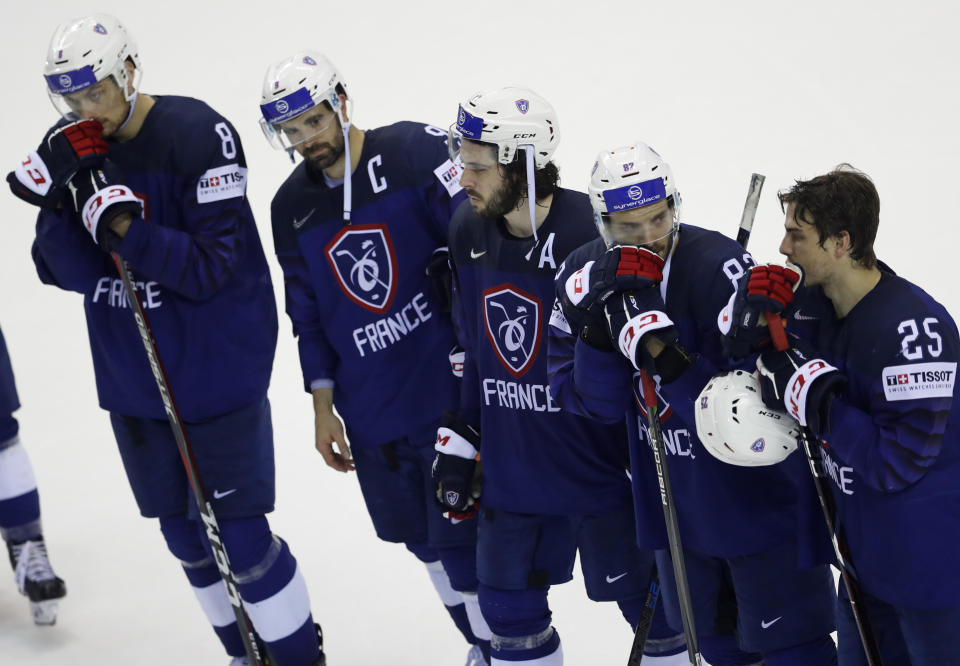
324, 155
501, 201
661, 247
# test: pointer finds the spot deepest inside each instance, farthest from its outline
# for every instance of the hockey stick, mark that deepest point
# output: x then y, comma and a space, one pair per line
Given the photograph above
655, 433
750, 209
189, 463
646, 619
812, 450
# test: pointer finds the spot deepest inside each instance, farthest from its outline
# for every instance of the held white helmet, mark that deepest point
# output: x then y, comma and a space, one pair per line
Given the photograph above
627, 178
736, 427
508, 118
84, 52
293, 86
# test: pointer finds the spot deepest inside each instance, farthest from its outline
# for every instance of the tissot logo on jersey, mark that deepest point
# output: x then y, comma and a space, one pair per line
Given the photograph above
919, 380
224, 182
365, 265
513, 327
449, 174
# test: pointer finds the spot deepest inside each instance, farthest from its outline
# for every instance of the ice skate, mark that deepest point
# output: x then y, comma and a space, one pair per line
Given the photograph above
36, 579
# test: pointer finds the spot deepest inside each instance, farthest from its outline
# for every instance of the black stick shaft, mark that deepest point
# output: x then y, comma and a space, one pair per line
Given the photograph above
646, 619
812, 450
189, 462
670, 518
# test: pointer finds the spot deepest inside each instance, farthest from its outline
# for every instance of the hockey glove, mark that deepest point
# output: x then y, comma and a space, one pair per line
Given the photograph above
634, 318
456, 472
39, 179
797, 382
767, 288
441, 278
621, 268
99, 199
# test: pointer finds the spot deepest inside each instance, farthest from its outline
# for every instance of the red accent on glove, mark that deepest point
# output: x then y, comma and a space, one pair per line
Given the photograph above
772, 282
640, 261
86, 138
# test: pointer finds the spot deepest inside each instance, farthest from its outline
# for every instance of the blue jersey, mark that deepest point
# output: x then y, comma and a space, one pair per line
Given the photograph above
892, 449
358, 295
9, 402
536, 457
723, 510
199, 266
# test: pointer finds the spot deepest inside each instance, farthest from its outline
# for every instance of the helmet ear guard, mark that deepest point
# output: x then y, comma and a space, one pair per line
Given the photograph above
736, 427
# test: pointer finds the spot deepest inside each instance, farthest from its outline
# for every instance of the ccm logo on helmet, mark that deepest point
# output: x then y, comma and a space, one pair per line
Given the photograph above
525, 135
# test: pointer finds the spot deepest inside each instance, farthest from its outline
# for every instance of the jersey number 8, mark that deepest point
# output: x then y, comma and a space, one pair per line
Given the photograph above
228, 145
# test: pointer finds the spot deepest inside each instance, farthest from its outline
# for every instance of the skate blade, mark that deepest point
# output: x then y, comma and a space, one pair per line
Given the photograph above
44, 612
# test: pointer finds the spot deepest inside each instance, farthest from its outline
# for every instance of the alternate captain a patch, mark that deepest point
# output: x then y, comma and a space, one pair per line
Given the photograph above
513, 326
365, 265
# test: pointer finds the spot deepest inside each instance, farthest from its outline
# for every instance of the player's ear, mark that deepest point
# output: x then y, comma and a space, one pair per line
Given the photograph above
842, 244
131, 68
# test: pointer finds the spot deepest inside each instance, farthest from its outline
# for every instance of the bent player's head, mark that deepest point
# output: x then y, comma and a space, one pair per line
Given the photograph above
500, 137
92, 71
830, 220
634, 197
302, 102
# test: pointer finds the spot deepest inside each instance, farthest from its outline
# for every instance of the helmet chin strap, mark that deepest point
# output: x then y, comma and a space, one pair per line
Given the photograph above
531, 199
346, 112
132, 98
531, 193
133, 103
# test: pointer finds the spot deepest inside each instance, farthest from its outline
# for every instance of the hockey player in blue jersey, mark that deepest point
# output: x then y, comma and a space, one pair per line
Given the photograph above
553, 483
738, 526
874, 378
20, 508
355, 226
170, 199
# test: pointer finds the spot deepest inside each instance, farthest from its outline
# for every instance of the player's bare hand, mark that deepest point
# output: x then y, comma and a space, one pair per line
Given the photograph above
329, 436
332, 444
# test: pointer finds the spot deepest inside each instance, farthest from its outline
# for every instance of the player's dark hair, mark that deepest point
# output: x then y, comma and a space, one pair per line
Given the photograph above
843, 200
545, 180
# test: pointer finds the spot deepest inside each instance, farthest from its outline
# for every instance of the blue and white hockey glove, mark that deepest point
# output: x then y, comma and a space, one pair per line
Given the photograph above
801, 384
99, 199
762, 289
620, 268
633, 318
40, 178
456, 470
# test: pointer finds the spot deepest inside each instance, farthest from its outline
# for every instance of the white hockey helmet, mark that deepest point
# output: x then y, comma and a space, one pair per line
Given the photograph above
84, 52
627, 178
736, 427
508, 119
293, 86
